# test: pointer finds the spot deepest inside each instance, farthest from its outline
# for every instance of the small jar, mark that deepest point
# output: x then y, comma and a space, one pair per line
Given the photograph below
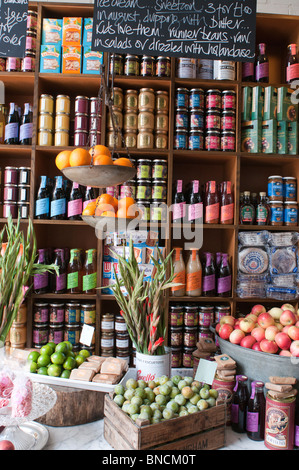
161, 140
63, 104
228, 100
176, 358
40, 334
190, 316
130, 121
13, 64
96, 106
88, 314
118, 98
159, 190
206, 316
197, 121
190, 336
144, 208
80, 138
10, 193
145, 139
32, 20
81, 122
107, 352
176, 336
30, 40
176, 316
130, 139
161, 122
196, 140
23, 193
197, 99
182, 119
72, 334
162, 101
72, 313
159, 169
163, 67
132, 68
131, 101
56, 313
62, 138
290, 188
10, 209
181, 139
107, 340
82, 105
212, 141
146, 120
114, 140
95, 138
186, 67
228, 121
147, 66
213, 100
24, 175
2, 64
118, 117
122, 341
45, 137
146, 99
11, 175
120, 324
46, 104
182, 98
158, 211
23, 210
228, 141
204, 332
28, 62
46, 121
144, 169
213, 120
144, 190
125, 191
116, 65
107, 323
56, 333
275, 188
276, 213
41, 312
290, 216
188, 357
221, 311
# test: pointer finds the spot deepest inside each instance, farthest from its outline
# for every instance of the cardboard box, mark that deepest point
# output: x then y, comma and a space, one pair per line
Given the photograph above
282, 137
246, 103
50, 59
251, 136
72, 31
293, 138
52, 31
87, 32
257, 110
92, 61
269, 136
270, 103
286, 110
71, 59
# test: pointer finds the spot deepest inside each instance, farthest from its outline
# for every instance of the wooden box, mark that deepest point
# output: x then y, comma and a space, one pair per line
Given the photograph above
204, 430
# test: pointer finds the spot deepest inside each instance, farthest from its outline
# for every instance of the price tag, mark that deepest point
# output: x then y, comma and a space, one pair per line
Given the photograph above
206, 371
87, 334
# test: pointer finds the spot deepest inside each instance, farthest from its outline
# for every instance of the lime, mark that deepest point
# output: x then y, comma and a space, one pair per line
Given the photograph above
33, 356
52, 345
42, 371
70, 354
46, 349
69, 345
79, 360
62, 348
58, 358
84, 353
43, 360
54, 370
65, 374
70, 363
33, 367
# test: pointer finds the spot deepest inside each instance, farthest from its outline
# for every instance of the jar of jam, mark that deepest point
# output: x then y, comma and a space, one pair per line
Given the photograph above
144, 169
191, 316
46, 121
275, 188
88, 314
28, 62
162, 101
212, 141
228, 121
159, 169
13, 64
163, 67
10, 193
197, 120
120, 324
63, 104
176, 336
228, 100
62, 138
276, 213
159, 190
41, 312
30, 40
213, 100
181, 119
206, 316
72, 334
23, 193
40, 334
176, 357
161, 140
158, 211
56, 313
132, 68
221, 311
190, 337
197, 99
290, 188
107, 352
107, 323
107, 340
46, 104
72, 313
144, 189
116, 65
228, 141
290, 216
56, 333
182, 98
62, 121
23, 210
2, 64
45, 137
147, 66
122, 341
204, 332
82, 105
32, 20
213, 120
80, 138
145, 139
176, 316
181, 139
188, 357
144, 210
131, 100
146, 100
11, 175
10, 208
196, 140
130, 122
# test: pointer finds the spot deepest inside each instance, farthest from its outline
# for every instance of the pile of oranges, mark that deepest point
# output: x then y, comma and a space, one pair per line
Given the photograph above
83, 157
108, 206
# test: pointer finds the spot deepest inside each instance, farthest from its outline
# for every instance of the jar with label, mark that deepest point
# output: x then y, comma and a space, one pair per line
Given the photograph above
159, 190
162, 101
28, 62
176, 357
180, 273
23, 210
144, 208
158, 211
46, 121
82, 105
161, 140
10, 209
107, 323
182, 98
56, 313
213, 100
146, 99
275, 188
224, 70
145, 139
80, 138
176, 315
190, 336
181, 139
163, 67
190, 316
130, 122
212, 141
45, 137
88, 314
72, 313
118, 119
290, 188
146, 120
130, 139
117, 96
197, 99
120, 324
147, 66
213, 120
228, 121
228, 100
2, 64
228, 141
186, 67
107, 352
161, 122
46, 104
197, 121
131, 100
11, 175
113, 139
13, 64
181, 119
122, 341
116, 65
72, 334
276, 213
40, 334
107, 340
204, 332
159, 169
193, 275
196, 140
62, 121
10, 192
56, 333
290, 217
132, 67
144, 190
206, 316
188, 357
176, 336
63, 104
62, 138
221, 311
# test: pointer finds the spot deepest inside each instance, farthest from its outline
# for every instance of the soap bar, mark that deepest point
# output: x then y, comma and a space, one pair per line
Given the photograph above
116, 360
278, 387
91, 366
109, 379
98, 359
282, 395
111, 368
283, 380
82, 374
206, 344
223, 373
225, 362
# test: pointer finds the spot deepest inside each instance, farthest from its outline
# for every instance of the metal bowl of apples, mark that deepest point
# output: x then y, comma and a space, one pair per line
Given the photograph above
263, 343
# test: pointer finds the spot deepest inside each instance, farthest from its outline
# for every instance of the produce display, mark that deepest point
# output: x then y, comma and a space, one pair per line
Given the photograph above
163, 399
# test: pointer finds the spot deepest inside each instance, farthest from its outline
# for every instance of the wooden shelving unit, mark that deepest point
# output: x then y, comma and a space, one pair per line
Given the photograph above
246, 171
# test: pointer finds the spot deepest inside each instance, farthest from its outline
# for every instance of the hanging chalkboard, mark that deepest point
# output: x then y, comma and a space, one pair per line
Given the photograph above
13, 25
211, 29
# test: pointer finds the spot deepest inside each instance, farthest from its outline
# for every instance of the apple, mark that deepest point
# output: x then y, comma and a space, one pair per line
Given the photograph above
237, 324
279, 325
253, 317
286, 328
225, 330
284, 352
283, 341
247, 325
6, 445
236, 336
228, 320
275, 312
258, 333
288, 307
297, 323
256, 346
287, 318
271, 332
265, 319
257, 309
294, 348
293, 332
268, 346
248, 341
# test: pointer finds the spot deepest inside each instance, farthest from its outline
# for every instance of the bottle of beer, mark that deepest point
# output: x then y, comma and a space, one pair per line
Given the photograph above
42, 203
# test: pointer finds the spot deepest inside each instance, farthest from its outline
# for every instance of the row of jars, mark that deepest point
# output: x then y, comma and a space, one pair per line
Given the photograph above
192, 315
114, 337
205, 69
16, 192
145, 66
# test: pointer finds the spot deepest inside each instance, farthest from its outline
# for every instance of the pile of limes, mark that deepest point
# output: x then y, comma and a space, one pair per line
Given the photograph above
56, 360
164, 398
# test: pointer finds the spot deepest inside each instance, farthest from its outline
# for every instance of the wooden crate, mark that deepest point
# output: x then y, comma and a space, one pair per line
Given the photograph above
204, 430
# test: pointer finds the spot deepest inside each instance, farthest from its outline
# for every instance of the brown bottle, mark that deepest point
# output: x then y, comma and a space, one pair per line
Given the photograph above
227, 204
212, 209
74, 273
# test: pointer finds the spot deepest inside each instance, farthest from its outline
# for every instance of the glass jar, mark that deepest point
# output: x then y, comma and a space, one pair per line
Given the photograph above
176, 316
159, 169
120, 324
45, 137
163, 67
145, 139
132, 68
176, 336
88, 314
122, 341
56, 333
159, 190
107, 323
72, 313
161, 140
191, 316
40, 334
107, 340
188, 357
147, 66
62, 138
131, 101
162, 101
144, 169
146, 99
190, 336
72, 334
116, 64
41, 312
46, 104
56, 313
176, 357
206, 316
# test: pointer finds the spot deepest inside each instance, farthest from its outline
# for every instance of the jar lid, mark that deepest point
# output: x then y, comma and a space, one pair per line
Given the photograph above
291, 202
144, 161
230, 92
158, 182
195, 90
85, 98
141, 182
160, 161
73, 304
89, 306
56, 304
275, 202
214, 91
289, 178
40, 304
63, 96
275, 176
176, 328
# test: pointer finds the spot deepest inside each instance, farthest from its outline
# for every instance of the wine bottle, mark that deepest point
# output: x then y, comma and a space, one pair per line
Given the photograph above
12, 126
58, 200
292, 67
239, 404
179, 203
262, 65
75, 203
195, 205
42, 204
208, 277
26, 127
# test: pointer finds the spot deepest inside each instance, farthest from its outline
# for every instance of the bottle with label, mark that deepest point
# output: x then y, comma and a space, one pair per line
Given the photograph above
26, 127
224, 281
12, 126
180, 273
75, 203
2, 124
248, 72
90, 272
195, 205
255, 419
212, 206
292, 66
179, 203
209, 276
193, 274
296, 434
263, 210
227, 204
262, 65
247, 210
239, 404
74, 273
58, 200
58, 282
41, 281
42, 203
89, 196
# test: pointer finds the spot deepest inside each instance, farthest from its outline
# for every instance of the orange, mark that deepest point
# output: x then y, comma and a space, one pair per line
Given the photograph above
108, 214
102, 207
105, 199
103, 160
100, 150
123, 162
125, 202
62, 160
80, 157
115, 203
124, 214
90, 208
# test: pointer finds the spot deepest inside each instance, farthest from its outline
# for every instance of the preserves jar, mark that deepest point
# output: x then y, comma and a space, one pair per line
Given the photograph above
228, 141
72, 334
122, 341
63, 104
10, 208
161, 140
213, 120
96, 106
146, 99
197, 99
190, 336
144, 210
228, 121
176, 357
181, 139
21, 317
146, 120
213, 100
181, 119
120, 324
176, 315
62, 121
196, 140
56, 333
10, 193
182, 98
145, 139
28, 62
107, 352
46, 104
88, 314
56, 311
11, 175
118, 98
82, 105
159, 190
204, 332
197, 121
191, 316
41, 312
290, 216
2, 64
275, 188
228, 100
162, 101
144, 169
40, 334
163, 67
186, 67
206, 316
159, 169
107, 340
23, 210
176, 336
23, 193
147, 66
161, 122
131, 68
276, 213
80, 138
212, 141
45, 137
130, 139
131, 100
144, 190
118, 119
290, 188
72, 313
131, 121
158, 211
116, 65
13, 64
107, 323
62, 138
188, 357
221, 311
46, 121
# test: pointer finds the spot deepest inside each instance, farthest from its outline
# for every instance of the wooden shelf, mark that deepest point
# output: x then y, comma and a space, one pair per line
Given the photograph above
62, 297
200, 299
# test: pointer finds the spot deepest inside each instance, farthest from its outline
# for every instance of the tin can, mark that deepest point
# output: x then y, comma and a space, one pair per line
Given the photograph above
224, 70
63, 104
279, 423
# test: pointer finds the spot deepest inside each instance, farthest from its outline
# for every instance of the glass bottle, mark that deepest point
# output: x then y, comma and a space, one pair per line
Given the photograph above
58, 282
248, 72
209, 276
262, 210
255, 419
247, 210
212, 207
262, 65
74, 273
41, 281
58, 200
42, 203
239, 404
227, 204
195, 205
89, 280
180, 273
75, 203
2, 124
193, 274
224, 281
12, 125
292, 66
179, 203
26, 126
296, 434
89, 196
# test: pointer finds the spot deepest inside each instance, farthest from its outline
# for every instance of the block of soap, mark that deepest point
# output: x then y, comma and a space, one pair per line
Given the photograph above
91, 366
98, 359
282, 395
116, 360
206, 345
278, 387
111, 367
82, 374
109, 379
225, 362
283, 380
223, 373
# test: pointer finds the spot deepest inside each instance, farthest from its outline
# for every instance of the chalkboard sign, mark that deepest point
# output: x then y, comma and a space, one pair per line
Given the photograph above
211, 29
13, 25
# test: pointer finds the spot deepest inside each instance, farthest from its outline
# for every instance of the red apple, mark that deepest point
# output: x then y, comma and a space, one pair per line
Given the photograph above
276, 312
279, 325
256, 346
257, 309
217, 328
284, 352
237, 324
287, 318
285, 329
265, 319
293, 332
225, 331
248, 341
283, 341
6, 445
268, 346
297, 323
236, 336
258, 333
228, 320
294, 348
247, 325
253, 317
271, 332
288, 307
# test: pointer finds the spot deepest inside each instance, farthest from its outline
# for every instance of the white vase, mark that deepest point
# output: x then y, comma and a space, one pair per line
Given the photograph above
151, 367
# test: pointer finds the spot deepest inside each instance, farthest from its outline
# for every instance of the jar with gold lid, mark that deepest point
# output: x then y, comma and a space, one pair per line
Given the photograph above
46, 104
161, 122
46, 121
130, 121
162, 101
130, 139
145, 139
146, 120
146, 99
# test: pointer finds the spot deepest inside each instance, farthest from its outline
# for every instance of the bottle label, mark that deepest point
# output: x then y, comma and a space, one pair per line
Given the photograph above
292, 72
12, 131
89, 282
209, 283
195, 211
61, 282
179, 210
212, 212
26, 131
42, 206
247, 69
235, 413
72, 280
40, 281
74, 208
58, 207
179, 278
227, 212
261, 215
224, 284
247, 214
252, 422
193, 281
262, 70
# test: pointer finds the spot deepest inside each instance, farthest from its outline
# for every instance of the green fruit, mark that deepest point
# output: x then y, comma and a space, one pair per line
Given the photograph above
58, 358
125, 407
202, 405
182, 384
135, 400
70, 354
69, 345
183, 413
167, 413
214, 393
62, 348
204, 393
156, 390
211, 402
33, 356
192, 409
187, 392
46, 349
140, 392
155, 420
33, 367
42, 370
163, 379
145, 415
129, 393
133, 409
134, 416
161, 400
174, 392
165, 389
157, 414
119, 400
141, 383
52, 345
54, 370
131, 383
180, 399
84, 353
70, 363
79, 360
175, 379
150, 395
195, 399
65, 374
43, 360
146, 409
173, 405
151, 384
119, 389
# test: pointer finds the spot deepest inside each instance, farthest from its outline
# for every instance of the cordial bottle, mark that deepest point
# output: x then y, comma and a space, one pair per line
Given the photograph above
208, 277
42, 204
75, 203
41, 281
89, 196
255, 420
179, 203
248, 71
74, 273
58, 202
227, 204
90, 272
12, 126
292, 67
224, 281
26, 127
195, 205
58, 282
